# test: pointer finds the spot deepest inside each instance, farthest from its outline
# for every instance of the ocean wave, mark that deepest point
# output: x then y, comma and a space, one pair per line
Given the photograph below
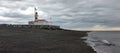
104, 42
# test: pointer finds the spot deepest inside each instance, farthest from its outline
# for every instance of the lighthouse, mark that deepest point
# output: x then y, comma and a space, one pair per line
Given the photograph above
38, 21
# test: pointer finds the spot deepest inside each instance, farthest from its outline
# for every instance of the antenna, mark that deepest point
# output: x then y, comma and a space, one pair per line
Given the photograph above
50, 20
35, 9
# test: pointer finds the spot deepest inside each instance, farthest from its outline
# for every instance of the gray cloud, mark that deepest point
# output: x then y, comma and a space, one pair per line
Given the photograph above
16, 15
79, 13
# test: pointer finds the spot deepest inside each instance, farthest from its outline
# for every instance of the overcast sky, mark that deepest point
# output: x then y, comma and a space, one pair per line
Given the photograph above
69, 14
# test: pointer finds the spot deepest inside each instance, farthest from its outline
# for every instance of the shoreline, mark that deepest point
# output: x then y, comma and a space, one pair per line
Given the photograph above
43, 41
86, 41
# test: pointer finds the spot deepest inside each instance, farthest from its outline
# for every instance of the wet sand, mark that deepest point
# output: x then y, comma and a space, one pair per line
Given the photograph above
42, 41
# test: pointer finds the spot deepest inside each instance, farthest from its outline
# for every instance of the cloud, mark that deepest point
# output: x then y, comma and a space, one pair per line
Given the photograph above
86, 14
6, 19
99, 28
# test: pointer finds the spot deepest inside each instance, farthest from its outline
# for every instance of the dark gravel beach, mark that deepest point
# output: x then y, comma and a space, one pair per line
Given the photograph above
42, 41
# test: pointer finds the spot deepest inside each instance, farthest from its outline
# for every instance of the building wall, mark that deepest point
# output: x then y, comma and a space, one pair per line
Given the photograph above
41, 23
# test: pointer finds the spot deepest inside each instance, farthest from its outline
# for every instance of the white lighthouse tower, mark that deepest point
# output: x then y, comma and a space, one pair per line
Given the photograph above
38, 21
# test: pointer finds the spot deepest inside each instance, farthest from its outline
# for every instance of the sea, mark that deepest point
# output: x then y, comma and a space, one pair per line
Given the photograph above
104, 41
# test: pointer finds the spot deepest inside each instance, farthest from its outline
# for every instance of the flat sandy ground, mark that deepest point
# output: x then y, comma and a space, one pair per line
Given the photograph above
42, 41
